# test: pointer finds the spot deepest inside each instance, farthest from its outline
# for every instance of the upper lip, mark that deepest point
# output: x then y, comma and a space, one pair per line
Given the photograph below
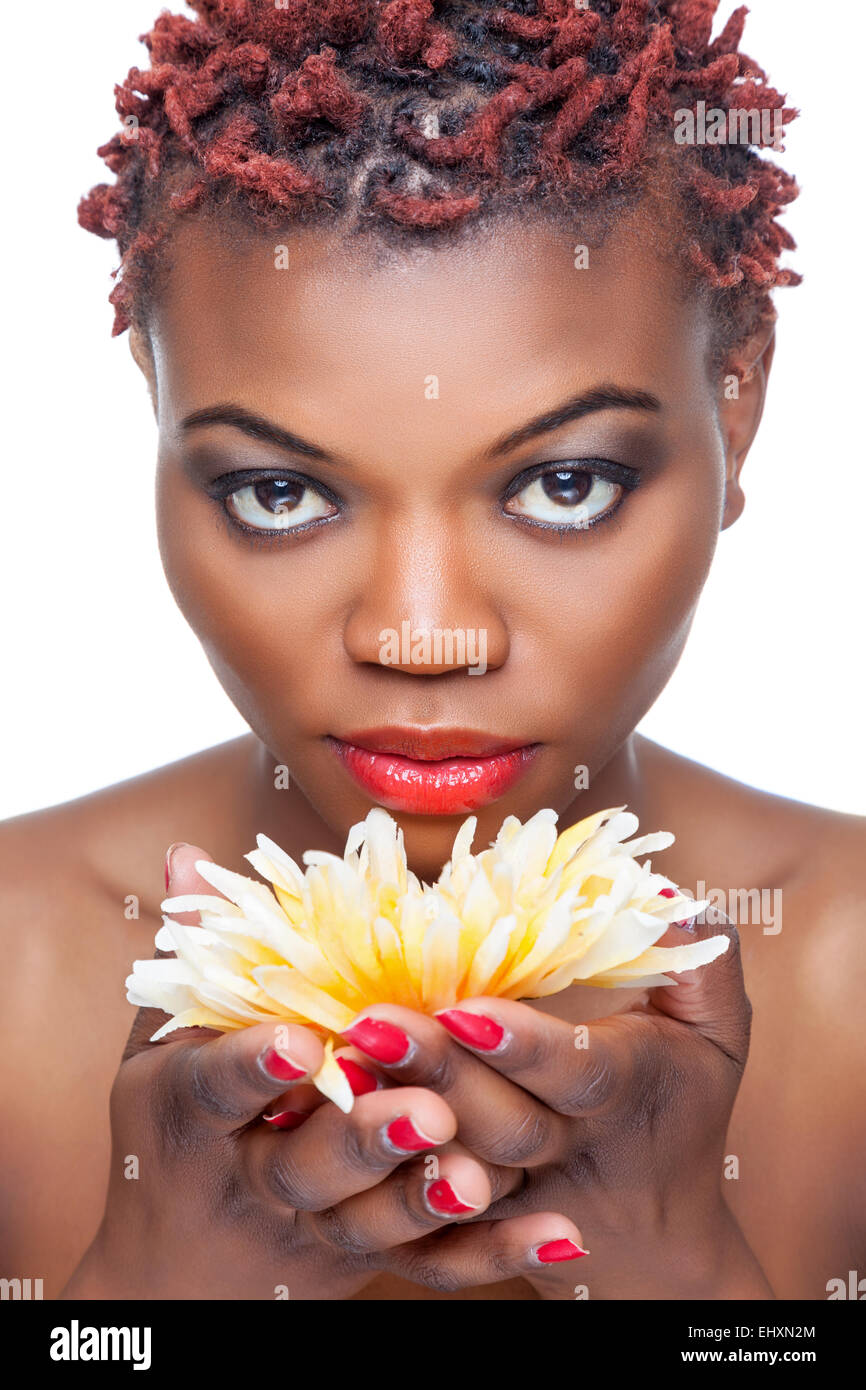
432, 745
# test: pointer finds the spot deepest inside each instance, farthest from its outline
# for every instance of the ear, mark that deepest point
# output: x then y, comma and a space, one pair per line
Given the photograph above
743, 395
139, 346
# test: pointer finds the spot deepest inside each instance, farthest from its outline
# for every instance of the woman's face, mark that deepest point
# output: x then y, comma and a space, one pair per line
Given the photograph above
491, 441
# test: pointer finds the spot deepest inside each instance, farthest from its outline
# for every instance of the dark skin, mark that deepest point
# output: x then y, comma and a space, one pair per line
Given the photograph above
584, 629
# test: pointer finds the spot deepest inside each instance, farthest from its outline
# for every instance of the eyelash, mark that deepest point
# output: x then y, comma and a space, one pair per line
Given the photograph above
223, 487
626, 478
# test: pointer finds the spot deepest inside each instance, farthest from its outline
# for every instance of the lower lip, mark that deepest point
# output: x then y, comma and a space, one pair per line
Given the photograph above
447, 787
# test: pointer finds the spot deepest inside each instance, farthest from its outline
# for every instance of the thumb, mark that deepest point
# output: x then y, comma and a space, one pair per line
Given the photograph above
712, 999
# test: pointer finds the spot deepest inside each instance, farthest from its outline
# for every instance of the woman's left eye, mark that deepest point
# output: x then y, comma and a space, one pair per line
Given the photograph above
572, 498
278, 504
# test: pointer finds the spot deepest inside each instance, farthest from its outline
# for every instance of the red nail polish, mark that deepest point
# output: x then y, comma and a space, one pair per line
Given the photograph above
287, 1119
379, 1039
443, 1198
280, 1067
554, 1251
475, 1029
360, 1080
403, 1135
689, 923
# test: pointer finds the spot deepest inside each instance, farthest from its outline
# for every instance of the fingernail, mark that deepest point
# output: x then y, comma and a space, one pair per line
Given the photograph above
168, 858
287, 1119
475, 1029
442, 1198
280, 1066
555, 1251
403, 1135
379, 1039
689, 922
360, 1080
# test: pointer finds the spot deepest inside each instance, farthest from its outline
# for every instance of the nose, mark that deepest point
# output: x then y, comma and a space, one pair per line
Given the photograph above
425, 608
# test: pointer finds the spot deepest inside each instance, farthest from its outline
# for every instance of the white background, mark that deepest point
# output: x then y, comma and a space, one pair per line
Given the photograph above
102, 677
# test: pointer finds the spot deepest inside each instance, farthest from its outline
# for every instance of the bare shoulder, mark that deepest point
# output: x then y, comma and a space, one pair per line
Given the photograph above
744, 841
84, 860
755, 835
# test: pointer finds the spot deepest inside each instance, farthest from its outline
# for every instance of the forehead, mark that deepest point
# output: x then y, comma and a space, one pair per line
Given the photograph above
294, 322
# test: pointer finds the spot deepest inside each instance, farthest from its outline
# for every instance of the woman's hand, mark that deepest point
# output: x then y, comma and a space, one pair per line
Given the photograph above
206, 1200
620, 1125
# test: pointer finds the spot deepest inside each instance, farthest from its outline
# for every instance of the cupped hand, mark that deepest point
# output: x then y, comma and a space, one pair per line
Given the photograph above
208, 1200
618, 1126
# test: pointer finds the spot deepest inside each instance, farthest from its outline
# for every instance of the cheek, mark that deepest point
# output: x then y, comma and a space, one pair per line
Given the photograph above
264, 622
608, 613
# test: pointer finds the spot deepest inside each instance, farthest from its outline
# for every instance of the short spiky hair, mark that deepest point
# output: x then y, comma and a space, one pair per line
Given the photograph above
413, 117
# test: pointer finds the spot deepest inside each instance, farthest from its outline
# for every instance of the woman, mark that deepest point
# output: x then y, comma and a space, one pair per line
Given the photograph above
449, 323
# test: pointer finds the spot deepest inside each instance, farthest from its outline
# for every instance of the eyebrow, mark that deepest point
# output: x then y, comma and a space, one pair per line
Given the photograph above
256, 427
575, 408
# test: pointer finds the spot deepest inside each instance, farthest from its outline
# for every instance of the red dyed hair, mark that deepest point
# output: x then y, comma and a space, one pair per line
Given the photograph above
411, 117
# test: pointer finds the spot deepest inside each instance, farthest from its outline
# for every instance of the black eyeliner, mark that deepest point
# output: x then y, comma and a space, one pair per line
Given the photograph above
222, 487
602, 468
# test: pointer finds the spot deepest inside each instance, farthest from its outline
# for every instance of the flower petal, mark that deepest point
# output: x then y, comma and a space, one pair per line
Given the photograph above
332, 1081
291, 989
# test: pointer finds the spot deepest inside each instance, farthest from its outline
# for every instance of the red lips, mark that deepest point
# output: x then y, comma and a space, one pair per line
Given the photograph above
434, 772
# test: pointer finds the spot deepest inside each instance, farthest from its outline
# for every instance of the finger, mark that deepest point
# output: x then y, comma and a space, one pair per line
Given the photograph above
712, 999
333, 1156
488, 1252
420, 1196
497, 1120
363, 1077
293, 1107
181, 878
290, 1110
572, 1070
224, 1083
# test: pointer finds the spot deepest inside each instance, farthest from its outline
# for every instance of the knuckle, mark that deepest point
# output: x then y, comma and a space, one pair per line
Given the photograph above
502, 1264
286, 1183
590, 1088
361, 1152
339, 1232
208, 1092
442, 1278
536, 1054
525, 1140
172, 1124
404, 1189
439, 1072
171, 1113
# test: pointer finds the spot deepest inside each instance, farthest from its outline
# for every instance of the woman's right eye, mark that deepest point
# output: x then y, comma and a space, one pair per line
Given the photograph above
278, 504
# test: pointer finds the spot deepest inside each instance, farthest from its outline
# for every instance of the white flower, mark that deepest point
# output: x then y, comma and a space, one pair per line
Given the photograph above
529, 916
